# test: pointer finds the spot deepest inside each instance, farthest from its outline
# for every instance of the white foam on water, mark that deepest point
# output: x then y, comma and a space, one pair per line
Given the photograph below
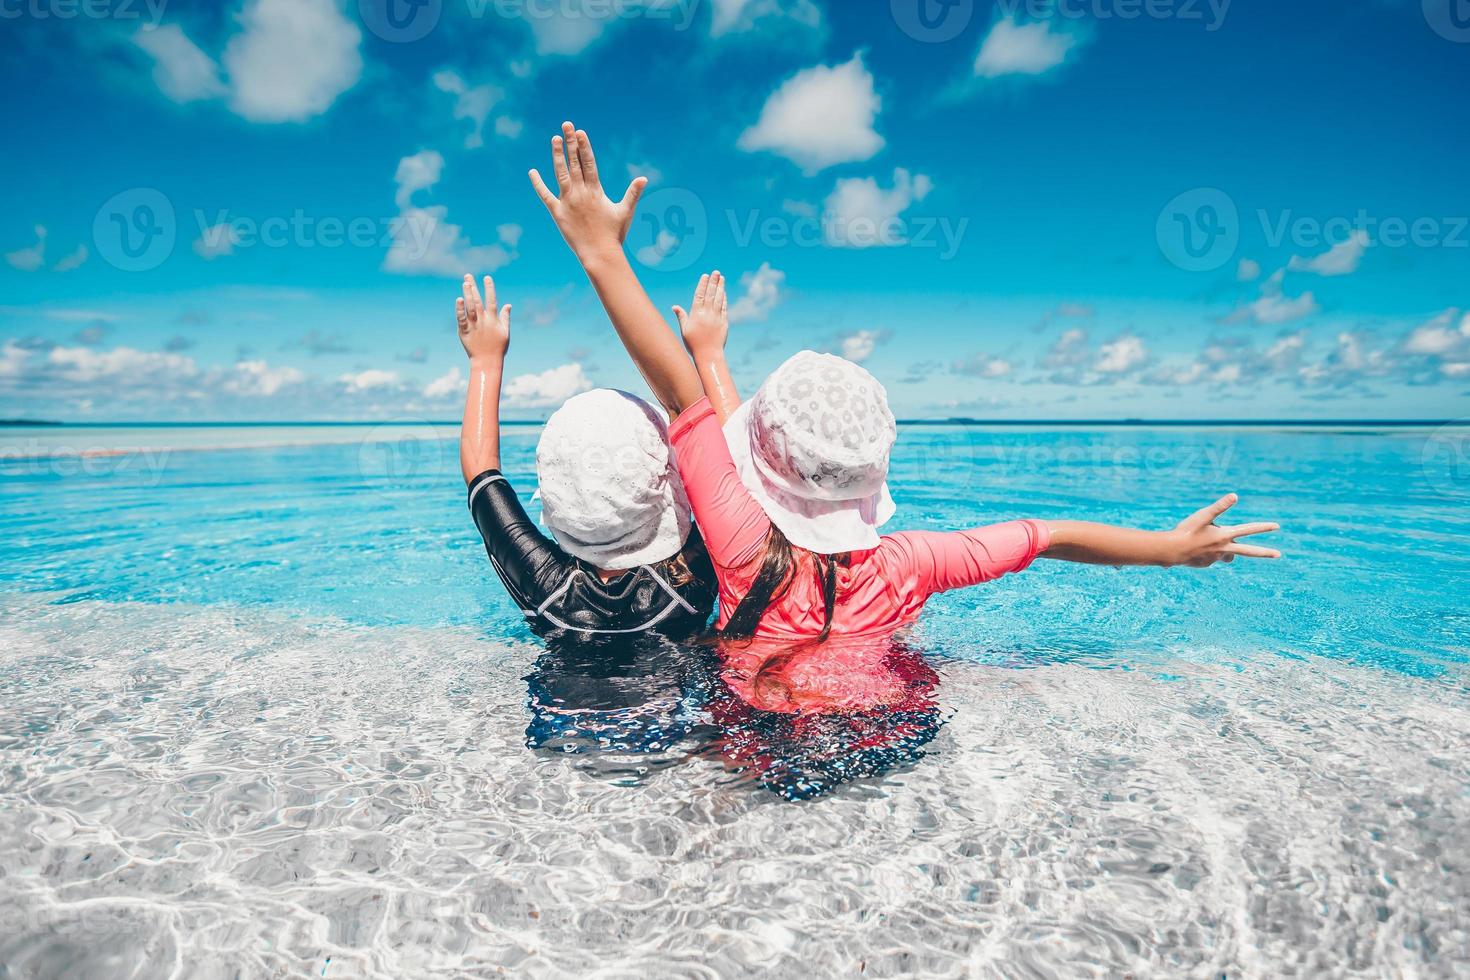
201, 792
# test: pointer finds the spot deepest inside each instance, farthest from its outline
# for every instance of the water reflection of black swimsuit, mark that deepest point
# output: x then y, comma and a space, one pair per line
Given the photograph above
564, 596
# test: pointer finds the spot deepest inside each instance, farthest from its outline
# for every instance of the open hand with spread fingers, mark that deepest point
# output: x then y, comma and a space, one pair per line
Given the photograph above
1200, 542
483, 332
706, 324
590, 221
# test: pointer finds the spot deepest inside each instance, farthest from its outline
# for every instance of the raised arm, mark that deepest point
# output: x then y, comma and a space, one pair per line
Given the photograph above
595, 228
1197, 542
706, 326
485, 335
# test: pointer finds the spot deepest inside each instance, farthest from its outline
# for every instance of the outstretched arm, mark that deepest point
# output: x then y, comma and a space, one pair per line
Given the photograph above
485, 335
706, 326
595, 228
1197, 542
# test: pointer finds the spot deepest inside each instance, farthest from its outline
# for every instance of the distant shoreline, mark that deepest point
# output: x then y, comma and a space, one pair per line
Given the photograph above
966, 422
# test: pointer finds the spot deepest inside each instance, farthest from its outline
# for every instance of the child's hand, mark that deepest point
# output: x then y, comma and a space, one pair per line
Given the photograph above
706, 325
483, 332
590, 222
1199, 543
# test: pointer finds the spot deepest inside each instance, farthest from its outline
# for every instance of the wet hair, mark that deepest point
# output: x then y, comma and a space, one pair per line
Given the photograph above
675, 570
773, 582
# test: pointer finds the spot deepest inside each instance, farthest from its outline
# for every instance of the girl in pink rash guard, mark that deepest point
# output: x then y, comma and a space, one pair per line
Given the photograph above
789, 491
875, 584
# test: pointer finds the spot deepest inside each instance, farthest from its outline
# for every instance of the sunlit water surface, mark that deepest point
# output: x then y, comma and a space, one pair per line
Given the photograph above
265, 711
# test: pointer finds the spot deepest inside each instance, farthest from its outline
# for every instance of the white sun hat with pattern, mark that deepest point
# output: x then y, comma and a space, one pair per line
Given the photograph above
610, 493
812, 447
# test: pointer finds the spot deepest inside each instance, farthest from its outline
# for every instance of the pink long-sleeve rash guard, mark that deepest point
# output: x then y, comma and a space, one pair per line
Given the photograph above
878, 591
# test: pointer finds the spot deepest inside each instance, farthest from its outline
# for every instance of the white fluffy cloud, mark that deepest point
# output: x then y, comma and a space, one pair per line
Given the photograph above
84, 365
182, 71
373, 379
762, 293
257, 378
1072, 359
544, 390
659, 249
472, 103
861, 214
735, 16
288, 62
1441, 345
1340, 260
447, 385
1034, 48
859, 346
1249, 270
31, 258
1121, 355
75, 260
820, 117
983, 366
216, 241
1273, 307
13, 359
291, 59
424, 243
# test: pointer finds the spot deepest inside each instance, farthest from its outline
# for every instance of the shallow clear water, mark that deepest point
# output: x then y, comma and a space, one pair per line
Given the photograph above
266, 711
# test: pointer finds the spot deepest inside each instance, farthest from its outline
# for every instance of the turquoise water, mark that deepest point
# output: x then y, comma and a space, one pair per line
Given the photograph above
373, 530
266, 709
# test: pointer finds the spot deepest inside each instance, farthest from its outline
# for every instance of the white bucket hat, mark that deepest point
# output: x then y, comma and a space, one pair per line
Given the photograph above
610, 493
812, 447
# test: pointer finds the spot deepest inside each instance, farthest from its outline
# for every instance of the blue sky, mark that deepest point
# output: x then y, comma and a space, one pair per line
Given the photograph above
1020, 209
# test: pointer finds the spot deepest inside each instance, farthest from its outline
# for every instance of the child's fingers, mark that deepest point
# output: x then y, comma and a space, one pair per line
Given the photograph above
478, 307
505, 318
542, 191
634, 192
1246, 530
589, 162
460, 316
1205, 516
1250, 551
489, 294
680, 315
559, 163
699, 292
471, 298
574, 151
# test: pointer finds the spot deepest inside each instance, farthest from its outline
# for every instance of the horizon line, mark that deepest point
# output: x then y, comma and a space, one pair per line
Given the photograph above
23, 423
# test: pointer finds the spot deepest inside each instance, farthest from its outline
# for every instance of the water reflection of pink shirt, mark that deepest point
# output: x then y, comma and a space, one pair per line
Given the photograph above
881, 590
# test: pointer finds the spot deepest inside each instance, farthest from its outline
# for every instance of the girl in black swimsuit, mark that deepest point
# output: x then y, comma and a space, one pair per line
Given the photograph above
625, 559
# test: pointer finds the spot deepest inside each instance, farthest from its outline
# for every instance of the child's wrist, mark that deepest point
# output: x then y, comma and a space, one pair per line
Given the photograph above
488, 361
600, 256
706, 351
